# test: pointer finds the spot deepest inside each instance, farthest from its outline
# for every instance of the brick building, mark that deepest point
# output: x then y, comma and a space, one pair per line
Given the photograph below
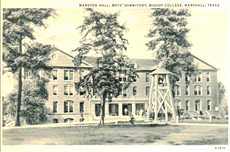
67, 105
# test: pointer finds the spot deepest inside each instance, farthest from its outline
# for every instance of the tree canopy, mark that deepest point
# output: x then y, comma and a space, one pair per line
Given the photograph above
18, 24
168, 39
103, 34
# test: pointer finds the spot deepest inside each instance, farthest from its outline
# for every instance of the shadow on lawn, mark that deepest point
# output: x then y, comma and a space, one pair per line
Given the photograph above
209, 141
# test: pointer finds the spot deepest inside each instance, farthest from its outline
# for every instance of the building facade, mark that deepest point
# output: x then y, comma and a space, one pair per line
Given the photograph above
65, 104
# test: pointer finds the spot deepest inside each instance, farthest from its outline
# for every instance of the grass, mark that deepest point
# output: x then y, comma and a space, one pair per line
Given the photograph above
116, 135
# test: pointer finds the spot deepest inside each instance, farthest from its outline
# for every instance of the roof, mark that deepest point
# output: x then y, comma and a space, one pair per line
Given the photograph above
141, 64
214, 68
69, 58
161, 71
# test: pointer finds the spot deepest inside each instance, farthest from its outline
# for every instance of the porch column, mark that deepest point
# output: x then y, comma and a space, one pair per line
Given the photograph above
133, 108
120, 109
106, 109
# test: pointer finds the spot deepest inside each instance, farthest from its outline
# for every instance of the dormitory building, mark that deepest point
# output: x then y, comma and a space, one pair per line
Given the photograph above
65, 104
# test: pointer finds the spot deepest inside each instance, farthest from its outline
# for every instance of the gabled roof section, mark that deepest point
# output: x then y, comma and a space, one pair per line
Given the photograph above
140, 64
60, 58
202, 65
144, 64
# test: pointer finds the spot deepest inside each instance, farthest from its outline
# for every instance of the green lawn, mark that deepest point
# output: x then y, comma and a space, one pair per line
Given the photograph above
117, 135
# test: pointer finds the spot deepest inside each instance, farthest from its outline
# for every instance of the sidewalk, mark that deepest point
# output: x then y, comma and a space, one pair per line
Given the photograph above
86, 124
53, 125
115, 123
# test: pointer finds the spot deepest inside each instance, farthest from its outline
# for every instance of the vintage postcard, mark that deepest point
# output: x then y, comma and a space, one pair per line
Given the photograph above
114, 75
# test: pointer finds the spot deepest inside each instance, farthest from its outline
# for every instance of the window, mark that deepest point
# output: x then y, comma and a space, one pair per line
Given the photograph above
134, 79
68, 74
55, 90
147, 91
113, 109
55, 106
187, 90
55, 120
82, 91
97, 109
140, 109
27, 74
197, 90
197, 105
126, 109
124, 93
209, 105
54, 74
198, 77
68, 90
162, 80
147, 77
68, 120
177, 90
68, 106
178, 79
187, 78
208, 90
187, 105
207, 76
123, 75
179, 104
81, 107
134, 91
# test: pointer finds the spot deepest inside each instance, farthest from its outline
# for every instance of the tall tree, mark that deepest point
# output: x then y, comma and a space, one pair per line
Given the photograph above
168, 40
17, 25
221, 98
103, 34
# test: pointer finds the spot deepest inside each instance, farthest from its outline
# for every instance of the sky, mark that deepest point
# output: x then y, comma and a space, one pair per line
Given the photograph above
208, 33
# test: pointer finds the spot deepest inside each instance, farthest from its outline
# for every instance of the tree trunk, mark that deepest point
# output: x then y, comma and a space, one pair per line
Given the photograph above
102, 121
18, 123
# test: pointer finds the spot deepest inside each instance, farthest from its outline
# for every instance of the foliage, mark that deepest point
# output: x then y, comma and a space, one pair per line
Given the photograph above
221, 98
18, 24
34, 97
103, 34
168, 40
221, 90
34, 59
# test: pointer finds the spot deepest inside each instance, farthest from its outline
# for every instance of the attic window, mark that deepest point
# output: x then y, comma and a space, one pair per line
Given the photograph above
53, 56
